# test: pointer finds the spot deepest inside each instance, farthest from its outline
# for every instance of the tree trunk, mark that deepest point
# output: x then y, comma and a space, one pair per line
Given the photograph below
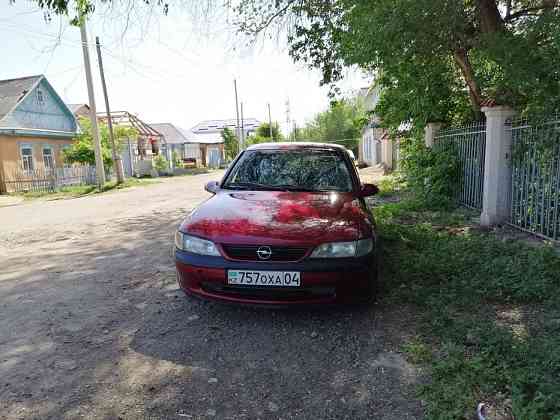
489, 16
462, 59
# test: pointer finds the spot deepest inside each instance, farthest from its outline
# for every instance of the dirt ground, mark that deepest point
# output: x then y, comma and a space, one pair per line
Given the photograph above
93, 326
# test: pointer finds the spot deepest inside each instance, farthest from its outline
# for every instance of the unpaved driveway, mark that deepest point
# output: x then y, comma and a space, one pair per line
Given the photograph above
92, 326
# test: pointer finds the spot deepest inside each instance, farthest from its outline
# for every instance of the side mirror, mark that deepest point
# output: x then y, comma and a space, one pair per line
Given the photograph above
212, 187
367, 190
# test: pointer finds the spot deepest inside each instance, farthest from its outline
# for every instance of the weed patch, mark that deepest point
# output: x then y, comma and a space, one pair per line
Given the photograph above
461, 279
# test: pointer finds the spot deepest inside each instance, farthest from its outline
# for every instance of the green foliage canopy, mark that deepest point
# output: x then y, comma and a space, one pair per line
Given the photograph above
436, 59
231, 144
82, 150
341, 124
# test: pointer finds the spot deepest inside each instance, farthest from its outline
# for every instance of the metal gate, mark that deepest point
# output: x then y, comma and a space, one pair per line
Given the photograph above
535, 200
469, 143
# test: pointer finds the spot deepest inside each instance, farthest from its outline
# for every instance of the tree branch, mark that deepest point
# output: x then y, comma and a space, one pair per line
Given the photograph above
546, 5
275, 15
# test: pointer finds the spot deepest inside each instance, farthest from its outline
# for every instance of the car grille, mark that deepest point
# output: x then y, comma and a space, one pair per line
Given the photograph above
278, 253
270, 293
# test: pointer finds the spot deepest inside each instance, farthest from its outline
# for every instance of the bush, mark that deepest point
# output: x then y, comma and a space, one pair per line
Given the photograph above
433, 175
160, 163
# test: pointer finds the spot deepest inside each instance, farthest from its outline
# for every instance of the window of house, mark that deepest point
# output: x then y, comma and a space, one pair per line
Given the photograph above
40, 97
48, 158
27, 158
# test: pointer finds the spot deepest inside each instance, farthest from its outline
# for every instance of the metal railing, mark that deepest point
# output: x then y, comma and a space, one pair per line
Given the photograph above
535, 198
41, 180
469, 143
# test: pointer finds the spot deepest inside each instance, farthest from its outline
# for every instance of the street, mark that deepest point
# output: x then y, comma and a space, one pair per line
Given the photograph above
93, 326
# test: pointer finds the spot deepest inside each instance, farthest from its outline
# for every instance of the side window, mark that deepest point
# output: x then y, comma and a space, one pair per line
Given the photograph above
48, 158
27, 158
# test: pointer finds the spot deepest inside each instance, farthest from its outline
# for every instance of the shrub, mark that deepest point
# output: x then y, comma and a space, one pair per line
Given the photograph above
432, 174
160, 163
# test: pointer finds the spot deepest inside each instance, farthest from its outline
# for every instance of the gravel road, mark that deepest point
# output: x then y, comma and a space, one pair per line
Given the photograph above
93, 326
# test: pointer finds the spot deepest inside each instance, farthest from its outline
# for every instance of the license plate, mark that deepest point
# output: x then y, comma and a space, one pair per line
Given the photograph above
264, 278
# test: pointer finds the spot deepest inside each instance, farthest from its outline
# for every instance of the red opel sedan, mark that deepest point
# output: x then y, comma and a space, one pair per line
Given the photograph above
287, 225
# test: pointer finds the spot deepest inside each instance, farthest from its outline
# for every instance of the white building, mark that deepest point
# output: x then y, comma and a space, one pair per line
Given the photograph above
371, 141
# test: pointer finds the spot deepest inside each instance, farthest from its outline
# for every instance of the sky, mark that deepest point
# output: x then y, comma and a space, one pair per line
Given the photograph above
177, 68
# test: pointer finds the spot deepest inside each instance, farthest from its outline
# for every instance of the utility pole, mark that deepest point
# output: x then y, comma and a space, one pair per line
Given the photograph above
288, 119
92, 112
270, 123
237, 114
117, 162
242, 128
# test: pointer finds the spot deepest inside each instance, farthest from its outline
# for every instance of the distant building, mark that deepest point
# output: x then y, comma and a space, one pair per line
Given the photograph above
79, 110
35, 127
178, 140
208, 134
369, 151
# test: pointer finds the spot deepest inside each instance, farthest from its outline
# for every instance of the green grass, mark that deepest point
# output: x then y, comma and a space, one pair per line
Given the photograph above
83, 190
489, 311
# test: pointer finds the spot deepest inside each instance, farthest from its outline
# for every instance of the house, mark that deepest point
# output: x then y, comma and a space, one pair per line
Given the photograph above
35, 127
370, 149
79, 110
208, 134
179, 141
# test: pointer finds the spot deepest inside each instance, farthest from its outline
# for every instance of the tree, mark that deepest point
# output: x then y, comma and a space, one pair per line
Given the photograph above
341, 124
82, 150
231, 144
436, 59
263, 130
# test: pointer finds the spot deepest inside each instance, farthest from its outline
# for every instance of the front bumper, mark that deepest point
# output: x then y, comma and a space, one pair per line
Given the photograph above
327, 281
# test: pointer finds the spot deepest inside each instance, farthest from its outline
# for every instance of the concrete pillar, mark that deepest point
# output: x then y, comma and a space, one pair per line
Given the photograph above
430, 133
496, 204
387, 152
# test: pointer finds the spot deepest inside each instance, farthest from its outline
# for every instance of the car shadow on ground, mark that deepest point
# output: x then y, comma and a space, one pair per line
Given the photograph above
95, 327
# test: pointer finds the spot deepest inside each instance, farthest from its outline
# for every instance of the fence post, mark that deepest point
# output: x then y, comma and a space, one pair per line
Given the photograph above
430, 133
496, 200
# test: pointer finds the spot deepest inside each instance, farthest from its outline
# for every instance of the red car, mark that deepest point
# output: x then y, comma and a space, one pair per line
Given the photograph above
287, 225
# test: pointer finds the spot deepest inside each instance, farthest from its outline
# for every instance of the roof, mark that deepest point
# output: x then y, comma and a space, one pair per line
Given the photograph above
172, 134
296, 145
219, 125
125, 118
209, 137
76, 107
12, 91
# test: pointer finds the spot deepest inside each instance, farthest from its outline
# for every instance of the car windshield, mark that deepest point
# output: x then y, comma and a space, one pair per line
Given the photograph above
291, 170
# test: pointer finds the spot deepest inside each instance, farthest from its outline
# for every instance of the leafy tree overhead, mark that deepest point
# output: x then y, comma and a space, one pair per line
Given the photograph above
82, 150
437, 59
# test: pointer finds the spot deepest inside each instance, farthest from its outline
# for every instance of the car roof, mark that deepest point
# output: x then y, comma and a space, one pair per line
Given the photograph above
296, 145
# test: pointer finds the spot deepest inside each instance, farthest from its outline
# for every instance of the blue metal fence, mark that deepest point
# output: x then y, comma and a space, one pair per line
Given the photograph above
469, 143
535, 200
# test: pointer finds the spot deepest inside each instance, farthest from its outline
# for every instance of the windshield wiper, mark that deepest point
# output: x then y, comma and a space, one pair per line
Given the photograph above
253, 186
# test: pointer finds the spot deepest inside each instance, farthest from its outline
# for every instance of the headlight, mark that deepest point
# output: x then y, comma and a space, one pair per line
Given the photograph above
343, 249
195, 245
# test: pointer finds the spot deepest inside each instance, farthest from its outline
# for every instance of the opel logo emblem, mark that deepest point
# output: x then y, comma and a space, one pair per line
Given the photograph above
264, 252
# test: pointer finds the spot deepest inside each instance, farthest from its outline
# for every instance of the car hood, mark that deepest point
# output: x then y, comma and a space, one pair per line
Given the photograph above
274, 217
